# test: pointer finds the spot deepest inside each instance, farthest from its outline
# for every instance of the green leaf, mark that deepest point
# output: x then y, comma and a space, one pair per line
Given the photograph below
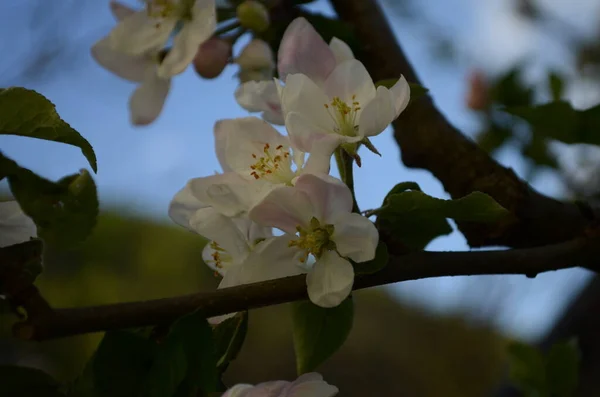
556, 85
65, 211
27, 382
509, 91
527, 369
416, 90
562, 369
493, 138
25, 112
121, 363
229, 337
186, 360
537, 150
375, 264
319, 332
556, 120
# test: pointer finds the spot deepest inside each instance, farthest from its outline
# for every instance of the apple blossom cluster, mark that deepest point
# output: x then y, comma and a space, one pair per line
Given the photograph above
327, 102
307, 385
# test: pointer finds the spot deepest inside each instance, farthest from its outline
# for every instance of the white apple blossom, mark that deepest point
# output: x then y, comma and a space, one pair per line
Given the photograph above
194, 21
256, 158
302, 50
317, 211
15, 226
346, 108
307, 385
147, 100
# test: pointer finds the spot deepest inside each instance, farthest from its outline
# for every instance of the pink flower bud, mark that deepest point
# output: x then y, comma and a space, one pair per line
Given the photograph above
477, 97
212, 57
257, 55
253, 15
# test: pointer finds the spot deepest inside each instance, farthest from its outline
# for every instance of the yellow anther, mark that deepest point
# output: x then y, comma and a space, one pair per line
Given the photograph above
344, 115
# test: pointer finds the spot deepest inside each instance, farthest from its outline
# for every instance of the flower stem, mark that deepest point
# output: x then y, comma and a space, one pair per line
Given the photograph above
345, 166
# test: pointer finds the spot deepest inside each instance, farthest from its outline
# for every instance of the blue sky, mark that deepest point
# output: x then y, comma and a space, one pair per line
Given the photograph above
142, 168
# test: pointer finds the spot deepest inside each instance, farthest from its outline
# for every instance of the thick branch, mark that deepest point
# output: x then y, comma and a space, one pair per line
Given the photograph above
427, 140
531, 261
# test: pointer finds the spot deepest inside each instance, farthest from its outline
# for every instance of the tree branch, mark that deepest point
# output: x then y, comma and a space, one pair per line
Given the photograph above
427, 140
531, 261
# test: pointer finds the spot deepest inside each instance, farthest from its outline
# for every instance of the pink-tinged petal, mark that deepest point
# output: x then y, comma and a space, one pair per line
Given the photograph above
311, 376
303, 50
328, 195
308, 137
186, 42
313, 389
355, 237
330, 280
300, 94
268, 389
128, 67
139, 33
238, 391
261, 96
146, 102
285, 208
245, 141
341, 51
377, 114
222, 229
120, 11
400, 95
184, 205
350, 81
15, 226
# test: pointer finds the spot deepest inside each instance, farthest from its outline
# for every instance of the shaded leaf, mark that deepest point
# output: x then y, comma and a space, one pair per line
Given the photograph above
375, 264
509, 91
65, 212
27, 382
493, 138
556, 120
229, 337
556, 85
527, 369
319, 332
562, 369
121, 364
25, 112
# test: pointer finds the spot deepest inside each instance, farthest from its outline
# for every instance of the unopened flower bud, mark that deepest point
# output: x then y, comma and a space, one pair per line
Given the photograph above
256, 55
212, 57
253, 15
478, 96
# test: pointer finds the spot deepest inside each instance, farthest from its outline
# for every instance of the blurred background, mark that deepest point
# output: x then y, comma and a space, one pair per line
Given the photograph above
454, 330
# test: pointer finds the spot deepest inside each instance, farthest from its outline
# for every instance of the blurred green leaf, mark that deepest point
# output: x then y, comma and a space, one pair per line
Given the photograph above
508, 90
537, 150
319, 332
556, 120
65, 212
527, 369
27, 382
121, 364
186, 360
562, 369
27, 113
556, 85
493, 138
375, 264
229, 337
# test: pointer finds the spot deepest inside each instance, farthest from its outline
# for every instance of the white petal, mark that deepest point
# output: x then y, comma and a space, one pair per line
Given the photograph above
355, 237
330, 280
377, 114
308, 137
221, 144
328, 195
350, 78
147, 101
219, 319
261, 96
120, 11
128, 67
400, 95
268, 389
139, 33
341, 51
184, 205
285, 208
313, 389
238, 390
302, 95
214, 226
15, 226
303, 50
311, 376
187, 41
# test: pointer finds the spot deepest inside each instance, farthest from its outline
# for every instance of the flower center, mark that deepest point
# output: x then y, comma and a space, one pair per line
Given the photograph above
314, 240
273, 165
344, 115
220, 258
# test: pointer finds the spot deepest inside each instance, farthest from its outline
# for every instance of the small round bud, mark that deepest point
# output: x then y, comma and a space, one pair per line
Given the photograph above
256, 55
212, 57
477, 96
253, 15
